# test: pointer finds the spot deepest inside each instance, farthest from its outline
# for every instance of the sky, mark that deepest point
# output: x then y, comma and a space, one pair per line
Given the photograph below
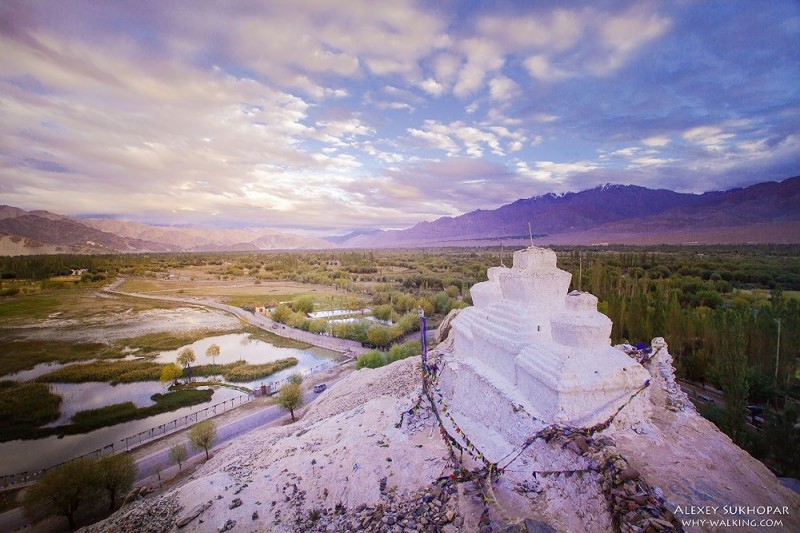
321, 117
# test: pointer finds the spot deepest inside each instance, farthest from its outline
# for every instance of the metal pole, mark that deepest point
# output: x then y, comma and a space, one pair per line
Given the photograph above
422, 328
777, 353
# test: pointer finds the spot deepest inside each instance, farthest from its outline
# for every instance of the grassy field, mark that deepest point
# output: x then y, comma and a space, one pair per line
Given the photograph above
117, 413
276, 340
235, 292
163, 341
71, 302
240, 372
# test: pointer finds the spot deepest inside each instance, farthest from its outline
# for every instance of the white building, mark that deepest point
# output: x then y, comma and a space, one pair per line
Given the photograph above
526, 346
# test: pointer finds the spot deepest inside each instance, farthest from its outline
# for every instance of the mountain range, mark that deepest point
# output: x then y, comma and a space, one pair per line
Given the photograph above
627, 214
615, 214
41, 232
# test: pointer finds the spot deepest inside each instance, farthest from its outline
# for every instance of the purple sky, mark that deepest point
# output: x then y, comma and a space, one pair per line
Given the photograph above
321, 117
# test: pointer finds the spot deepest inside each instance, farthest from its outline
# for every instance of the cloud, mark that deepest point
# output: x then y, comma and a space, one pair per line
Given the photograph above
474, 140
271, 111
540, 68
483, 57
432, 87
503, 89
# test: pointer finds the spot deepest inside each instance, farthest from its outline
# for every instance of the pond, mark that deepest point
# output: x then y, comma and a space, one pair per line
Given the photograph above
339, 312
19, 456
242, 347
31, 455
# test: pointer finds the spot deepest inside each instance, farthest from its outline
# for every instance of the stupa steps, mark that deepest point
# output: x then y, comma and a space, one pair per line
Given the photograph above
545, 365
504, 320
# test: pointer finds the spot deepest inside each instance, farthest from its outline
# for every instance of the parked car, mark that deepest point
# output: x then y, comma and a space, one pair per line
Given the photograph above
320, 387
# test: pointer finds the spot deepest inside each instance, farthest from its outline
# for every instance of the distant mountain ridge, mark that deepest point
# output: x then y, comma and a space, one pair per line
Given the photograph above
625, 214
616, 213
41, 232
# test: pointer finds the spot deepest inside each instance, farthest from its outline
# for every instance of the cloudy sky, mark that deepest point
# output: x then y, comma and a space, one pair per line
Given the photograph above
318, 117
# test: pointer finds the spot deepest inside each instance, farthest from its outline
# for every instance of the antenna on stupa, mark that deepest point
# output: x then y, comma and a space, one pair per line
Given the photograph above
530, 233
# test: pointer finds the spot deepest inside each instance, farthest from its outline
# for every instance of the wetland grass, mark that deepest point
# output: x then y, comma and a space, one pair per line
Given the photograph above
91, 419
242, 372
105, 371
161, 341
115, 372
21, 355
25, 407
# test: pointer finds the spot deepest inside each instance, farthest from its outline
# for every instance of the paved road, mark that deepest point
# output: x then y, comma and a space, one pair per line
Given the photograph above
226, 432
15, 519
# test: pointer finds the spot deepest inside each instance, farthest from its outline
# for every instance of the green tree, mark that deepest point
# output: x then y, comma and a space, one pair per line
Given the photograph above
62, 490
296, 378
203, 435
282, 314
784, 441
379, 335
371, 359
170, 372
117, 474
382, 312
213, 353
637, 318
186, 358
290, 398
178, 453
304, 304
731, 372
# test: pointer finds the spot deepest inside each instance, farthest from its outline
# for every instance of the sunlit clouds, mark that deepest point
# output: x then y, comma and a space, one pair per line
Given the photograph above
322, 117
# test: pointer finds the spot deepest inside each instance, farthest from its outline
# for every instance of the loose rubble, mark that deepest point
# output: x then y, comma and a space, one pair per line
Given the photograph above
154, 515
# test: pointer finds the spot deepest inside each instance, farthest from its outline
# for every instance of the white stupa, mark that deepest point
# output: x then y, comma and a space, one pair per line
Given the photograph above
528, 345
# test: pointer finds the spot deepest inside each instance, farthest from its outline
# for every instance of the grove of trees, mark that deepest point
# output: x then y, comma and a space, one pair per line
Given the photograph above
79, 484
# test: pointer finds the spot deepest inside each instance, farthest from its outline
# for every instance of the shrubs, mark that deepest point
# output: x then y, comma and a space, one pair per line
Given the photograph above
403, 351
371, 359
376, 359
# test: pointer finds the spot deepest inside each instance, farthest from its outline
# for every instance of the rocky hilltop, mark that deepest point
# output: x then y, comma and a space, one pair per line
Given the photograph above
523, 419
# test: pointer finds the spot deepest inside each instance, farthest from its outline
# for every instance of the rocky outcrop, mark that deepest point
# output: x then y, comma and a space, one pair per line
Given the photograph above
458, 445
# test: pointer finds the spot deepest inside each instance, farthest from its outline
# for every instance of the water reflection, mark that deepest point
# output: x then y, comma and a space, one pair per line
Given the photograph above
242, 347
30, 455
82, 396
19, 456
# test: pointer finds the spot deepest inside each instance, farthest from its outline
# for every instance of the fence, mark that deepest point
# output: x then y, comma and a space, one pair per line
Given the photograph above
144, 437
134, 441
